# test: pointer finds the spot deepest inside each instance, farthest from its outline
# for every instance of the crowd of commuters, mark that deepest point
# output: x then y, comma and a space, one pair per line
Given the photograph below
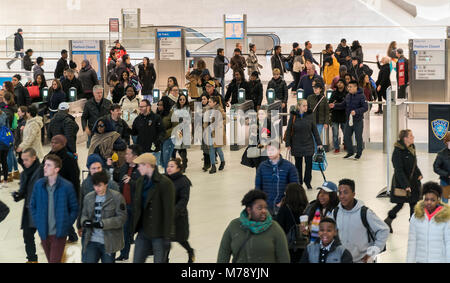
126, 200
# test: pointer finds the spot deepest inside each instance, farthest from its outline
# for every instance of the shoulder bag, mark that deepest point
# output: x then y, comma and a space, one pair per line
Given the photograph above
235, 258
400, 192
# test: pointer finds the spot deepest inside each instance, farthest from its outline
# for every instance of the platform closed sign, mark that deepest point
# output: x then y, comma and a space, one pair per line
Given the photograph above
438, 126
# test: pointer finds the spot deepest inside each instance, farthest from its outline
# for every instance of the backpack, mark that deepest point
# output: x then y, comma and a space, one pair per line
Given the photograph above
370, 235
6, 138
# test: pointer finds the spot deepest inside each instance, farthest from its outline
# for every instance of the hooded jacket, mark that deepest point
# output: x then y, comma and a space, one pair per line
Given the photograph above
429, 240
441, 165
182, 191
32, 135
64, 124
108, 142
353, 234
88, 77
355, 102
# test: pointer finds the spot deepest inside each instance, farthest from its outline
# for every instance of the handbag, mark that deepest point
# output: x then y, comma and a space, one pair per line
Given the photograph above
253, 152
34, 91
400, 192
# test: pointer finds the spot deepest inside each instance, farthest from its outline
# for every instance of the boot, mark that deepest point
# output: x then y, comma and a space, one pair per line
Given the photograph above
16, 175
10, 177
388, 221
213, 169
191, 256
206, 163
222, 165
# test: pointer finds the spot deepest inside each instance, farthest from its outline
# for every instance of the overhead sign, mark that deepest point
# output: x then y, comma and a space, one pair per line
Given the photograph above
169, 44
130, 18
85, 45
234, 26
429, 59
428, 44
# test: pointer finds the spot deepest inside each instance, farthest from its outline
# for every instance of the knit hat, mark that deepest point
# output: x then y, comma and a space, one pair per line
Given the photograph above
93, 158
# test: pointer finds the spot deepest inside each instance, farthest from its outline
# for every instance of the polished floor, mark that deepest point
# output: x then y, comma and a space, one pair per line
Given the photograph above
215, 201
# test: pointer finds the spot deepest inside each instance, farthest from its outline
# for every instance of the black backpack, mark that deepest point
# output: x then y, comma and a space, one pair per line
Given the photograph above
370, 235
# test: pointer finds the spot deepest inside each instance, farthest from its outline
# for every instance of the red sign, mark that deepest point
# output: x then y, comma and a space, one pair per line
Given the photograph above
113, 25
401, 72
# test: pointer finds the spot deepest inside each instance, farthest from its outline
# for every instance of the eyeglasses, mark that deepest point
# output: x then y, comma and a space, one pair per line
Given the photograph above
100, 126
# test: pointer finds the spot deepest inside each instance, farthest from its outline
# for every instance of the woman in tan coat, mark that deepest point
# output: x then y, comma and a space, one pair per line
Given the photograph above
215, 133
32, 133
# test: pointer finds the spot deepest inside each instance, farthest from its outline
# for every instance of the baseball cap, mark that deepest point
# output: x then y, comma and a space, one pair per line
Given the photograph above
328, 187
146, 158
63, 106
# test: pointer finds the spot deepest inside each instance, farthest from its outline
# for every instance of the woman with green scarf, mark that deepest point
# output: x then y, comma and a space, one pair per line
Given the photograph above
406, 177
254, 237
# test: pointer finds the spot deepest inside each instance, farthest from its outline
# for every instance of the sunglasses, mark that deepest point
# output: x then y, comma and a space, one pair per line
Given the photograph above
100, 126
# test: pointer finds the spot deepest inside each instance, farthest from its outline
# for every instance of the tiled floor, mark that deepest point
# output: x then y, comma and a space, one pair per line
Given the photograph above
215, 201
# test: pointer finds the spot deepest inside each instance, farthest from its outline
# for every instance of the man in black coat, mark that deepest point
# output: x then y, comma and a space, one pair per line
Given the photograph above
94, 108
22, 97
71, 81
277, 60
358, 69
149, 129
383, 81
32, 172
220, 62
118, 123
343, 54
69, 170
61, 65
64, 124
233, 88
18, 47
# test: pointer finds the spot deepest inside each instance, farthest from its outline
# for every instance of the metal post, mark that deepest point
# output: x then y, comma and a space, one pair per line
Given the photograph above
386, 190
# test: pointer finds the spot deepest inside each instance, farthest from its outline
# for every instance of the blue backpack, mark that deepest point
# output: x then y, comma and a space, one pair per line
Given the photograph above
6, 138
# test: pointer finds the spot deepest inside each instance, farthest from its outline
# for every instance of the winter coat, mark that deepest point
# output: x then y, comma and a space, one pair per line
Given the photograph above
338, 116
67, 84
18, 42
18, 134
88, 78
37, 70
429, 240
255, 92
321, 114
233, 89
64, 124
92, 111
298, 65
211, 134
27, 63
32, 136
130, 108
66, 207
308, 55
107, 143
122, 172
219, 66
4, 211
88, 186
287, 218
331, 71
69, 170
114, 216
305, 83
149, 131
28, 178
252, 63
182, 191
383, 78
345, 51
22, 96
337, 253
404, 161
54, 99
369, 92
273, 179
277, 62
280, 88
147, 78
121, 127
406, 62
177, 117
355, 102
300, 136
269, 246
357, 72
60, 66
156, 217
238, 63
441, 165
121, 50
358, 53
353, 234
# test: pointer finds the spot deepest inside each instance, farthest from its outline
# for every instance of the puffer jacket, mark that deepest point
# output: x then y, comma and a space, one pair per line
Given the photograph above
130, 108
114, 216
92, 111
355, 102
429, 240
331, 71
280, 88
32, 135
64, 124
441, 165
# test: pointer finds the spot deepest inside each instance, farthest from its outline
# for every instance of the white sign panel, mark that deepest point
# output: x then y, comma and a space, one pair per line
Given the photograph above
430, 72
428, 44
169, 44
234, 18
85, 45
430, 57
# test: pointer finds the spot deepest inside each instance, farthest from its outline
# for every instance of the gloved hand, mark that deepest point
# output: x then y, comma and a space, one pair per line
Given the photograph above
98, 225
88, 224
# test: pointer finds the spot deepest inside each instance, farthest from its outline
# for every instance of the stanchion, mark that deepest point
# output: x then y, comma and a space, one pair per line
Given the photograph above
384, 192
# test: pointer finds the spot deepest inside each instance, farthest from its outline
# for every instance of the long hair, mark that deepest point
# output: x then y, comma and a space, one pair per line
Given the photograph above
295, 198
390, 47
44, 82
178, 105
9, 86
148, 64
332, 204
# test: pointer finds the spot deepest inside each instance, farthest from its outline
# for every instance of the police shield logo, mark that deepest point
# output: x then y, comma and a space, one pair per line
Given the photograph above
440, 127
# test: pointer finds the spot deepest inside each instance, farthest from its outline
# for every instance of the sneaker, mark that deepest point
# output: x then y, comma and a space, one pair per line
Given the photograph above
121, 258
336, 151
348, 155
357, 157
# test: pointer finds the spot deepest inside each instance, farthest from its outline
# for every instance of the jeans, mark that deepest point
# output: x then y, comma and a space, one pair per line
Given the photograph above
357, 128
15, 58
12, 161
222, 82
28, 238
393, 212
212, 154
134, 139
54, 248
144, 247
443, 184
158, 157
167, 149
127, 235
319, 129
335, 129
308, 169
95, 251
